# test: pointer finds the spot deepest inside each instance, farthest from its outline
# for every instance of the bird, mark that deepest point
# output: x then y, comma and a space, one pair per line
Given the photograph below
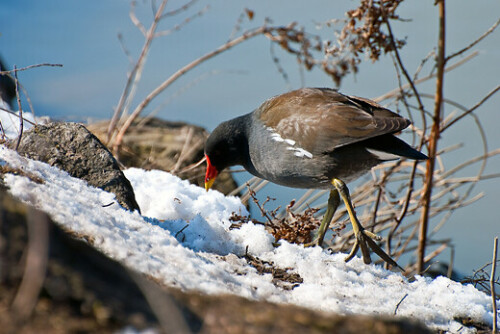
7, 88
313, 138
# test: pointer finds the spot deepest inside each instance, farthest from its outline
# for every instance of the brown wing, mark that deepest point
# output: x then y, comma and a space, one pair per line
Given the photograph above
321, 119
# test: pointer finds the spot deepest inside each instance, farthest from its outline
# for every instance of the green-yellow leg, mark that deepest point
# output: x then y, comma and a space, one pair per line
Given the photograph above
364, 239
333, 203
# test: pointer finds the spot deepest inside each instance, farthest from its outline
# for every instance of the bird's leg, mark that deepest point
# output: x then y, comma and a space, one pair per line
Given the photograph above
364, 239
333, 203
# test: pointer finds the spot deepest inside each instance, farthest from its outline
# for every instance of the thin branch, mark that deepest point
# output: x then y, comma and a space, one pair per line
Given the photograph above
280, 68
177, 75
399, 90
3, 132
29, 67
124, 48
135, 75
187, 20
264, 213
420, 67
492, 286
405, 73
180, 9
399, 303
471, 45
28, 99
485, 156
18, 98
404, 210
182, 153
135, 20
428, 258
477, 105
17, 115
237, 26
433, 139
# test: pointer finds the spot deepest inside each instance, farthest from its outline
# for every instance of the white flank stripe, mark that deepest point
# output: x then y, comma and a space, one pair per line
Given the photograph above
298, 151
383, 155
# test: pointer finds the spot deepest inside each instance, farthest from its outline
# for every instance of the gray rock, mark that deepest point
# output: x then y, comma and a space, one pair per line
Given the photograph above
74, 149
152, 143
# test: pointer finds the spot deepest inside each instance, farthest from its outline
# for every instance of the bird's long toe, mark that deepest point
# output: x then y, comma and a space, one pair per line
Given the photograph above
365, 241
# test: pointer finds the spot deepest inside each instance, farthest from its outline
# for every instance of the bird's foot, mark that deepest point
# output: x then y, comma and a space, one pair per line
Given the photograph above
365, 241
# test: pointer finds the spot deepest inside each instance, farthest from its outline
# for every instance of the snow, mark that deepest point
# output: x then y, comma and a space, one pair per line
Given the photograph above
183, 239
10, 122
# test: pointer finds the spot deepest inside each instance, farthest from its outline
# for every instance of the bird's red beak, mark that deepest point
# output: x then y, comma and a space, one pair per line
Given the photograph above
211, 174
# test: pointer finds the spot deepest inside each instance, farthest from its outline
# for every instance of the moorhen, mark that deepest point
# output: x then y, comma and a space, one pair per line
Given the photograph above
313, 138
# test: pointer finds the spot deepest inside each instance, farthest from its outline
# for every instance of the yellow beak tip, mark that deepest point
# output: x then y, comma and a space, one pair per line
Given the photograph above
209, 184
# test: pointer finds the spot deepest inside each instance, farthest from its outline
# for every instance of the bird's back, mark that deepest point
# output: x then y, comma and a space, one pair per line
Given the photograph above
306, 137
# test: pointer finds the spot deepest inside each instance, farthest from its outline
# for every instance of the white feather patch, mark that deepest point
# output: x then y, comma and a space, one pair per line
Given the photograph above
383, 155
298, 151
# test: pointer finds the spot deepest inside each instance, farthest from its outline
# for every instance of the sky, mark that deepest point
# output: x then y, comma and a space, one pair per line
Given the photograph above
183, 239
82, 35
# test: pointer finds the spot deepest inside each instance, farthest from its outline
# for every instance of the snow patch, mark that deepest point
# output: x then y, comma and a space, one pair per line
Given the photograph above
183, 238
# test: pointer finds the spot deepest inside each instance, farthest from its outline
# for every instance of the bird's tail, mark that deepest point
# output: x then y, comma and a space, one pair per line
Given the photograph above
395, 146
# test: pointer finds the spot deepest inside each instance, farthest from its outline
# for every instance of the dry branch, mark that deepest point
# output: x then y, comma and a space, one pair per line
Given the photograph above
433, 139
492, 286
15, 70
18, 98
479, 39
135, 75
392, 200
226, 46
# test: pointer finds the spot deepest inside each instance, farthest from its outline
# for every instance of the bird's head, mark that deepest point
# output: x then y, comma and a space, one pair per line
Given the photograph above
225, 147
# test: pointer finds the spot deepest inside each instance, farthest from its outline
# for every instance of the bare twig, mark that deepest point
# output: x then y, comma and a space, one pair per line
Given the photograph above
185, 147
17, 115
280, 68
3, 131
237, 26
492, 285
30, 66
399, 90
471, 45
405, 73
427, 258
449, 273
399, 303
226, 46
433, 140
179, 26
477, 105
135, 75
183, 8
124, 48
263, 211
135, 20
18, 98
